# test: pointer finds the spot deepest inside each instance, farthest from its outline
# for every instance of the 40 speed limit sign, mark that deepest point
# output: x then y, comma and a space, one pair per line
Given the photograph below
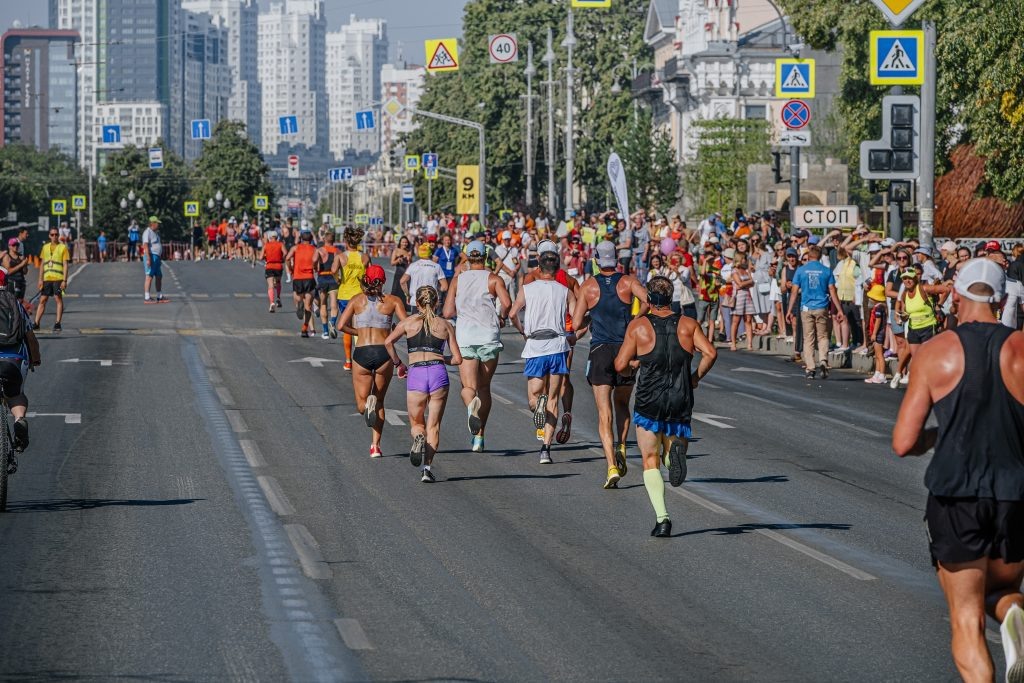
503, 48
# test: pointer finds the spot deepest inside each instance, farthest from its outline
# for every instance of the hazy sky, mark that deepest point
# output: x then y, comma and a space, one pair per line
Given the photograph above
409, 21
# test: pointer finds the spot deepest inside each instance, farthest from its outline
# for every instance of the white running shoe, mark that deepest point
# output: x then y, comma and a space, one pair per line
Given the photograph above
1012, 632
877, 378
905, 379
370, 411
895, 383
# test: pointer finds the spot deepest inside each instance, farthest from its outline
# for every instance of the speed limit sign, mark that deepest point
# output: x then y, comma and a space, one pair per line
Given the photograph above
504, 48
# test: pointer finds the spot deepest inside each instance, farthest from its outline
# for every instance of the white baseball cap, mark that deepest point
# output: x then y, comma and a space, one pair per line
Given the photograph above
507, 235
547, 247
984, 271
606, 255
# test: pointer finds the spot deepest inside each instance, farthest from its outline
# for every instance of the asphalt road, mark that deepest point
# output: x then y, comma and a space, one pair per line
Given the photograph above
198, 504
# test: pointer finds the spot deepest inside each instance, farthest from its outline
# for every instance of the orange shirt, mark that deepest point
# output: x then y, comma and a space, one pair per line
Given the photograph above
304, 254
274, 253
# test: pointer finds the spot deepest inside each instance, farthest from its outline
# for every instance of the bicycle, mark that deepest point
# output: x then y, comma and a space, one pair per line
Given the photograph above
6, 446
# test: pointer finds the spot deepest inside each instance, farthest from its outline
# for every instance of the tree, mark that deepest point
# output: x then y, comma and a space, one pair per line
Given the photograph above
232, 165
163, 192
652, 174
29, 179
717, 179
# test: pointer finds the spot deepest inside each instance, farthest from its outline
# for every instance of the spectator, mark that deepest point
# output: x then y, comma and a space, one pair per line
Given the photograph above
816, 286
742, 283
847, 273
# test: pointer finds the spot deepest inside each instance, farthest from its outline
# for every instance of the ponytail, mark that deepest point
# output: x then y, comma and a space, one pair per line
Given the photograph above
426, 301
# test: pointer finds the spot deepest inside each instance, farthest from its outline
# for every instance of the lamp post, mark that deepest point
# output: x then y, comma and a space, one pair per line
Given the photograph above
570, 153
218, 201
634, 72
132, 200
549, 60
530, 72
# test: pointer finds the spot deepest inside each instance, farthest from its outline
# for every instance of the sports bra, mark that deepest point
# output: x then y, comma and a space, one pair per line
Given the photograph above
371, 317
424, 341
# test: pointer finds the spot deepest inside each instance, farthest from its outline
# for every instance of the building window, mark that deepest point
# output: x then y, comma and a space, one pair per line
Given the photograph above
757, 112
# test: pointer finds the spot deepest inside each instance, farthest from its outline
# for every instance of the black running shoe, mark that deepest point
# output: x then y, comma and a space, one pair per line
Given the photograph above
35, 326
12, 464
677, 463
662, 529
57, 327
418, 450
20, 434
299, 311
427, 477
824, 371
809, 374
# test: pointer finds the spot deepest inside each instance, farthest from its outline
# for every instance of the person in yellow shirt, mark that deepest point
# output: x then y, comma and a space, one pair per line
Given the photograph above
53, 277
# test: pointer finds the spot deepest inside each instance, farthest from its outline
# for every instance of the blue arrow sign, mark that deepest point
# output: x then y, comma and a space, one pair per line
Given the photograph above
201, 129
365, 120
111, 135
289, 125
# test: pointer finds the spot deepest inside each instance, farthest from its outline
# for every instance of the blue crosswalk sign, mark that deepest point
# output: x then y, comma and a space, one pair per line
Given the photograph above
365, 120
111, 135
201, 129
897, 57
289, 125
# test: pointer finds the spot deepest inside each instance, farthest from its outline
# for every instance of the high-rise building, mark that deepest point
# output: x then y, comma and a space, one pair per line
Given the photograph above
292, 73
142, 123
240, 17
403, 84
81, 16
355, 55
206, 77
38, 106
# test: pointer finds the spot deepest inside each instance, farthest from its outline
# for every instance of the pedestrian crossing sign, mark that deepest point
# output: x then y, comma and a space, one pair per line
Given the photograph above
591, 3
59, 207
412, 162
430, 173
442, 55
191, 209
794, 78
362, 219
897, 57
78, 202
261, 202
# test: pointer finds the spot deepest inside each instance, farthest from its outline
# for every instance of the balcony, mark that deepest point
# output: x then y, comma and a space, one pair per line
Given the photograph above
676, 72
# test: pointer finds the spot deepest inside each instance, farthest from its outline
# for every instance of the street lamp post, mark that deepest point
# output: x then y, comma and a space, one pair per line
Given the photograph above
634, 73
570, 153
530, 72
479, 128
549, 60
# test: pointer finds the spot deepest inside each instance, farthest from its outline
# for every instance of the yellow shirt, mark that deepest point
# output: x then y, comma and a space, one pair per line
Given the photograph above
53, 257
919, 310
351, 275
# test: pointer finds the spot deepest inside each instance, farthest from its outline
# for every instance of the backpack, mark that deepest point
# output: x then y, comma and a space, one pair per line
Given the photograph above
12, 320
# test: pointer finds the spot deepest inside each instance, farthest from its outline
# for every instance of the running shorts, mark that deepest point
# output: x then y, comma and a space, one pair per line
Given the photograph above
968, 529
269, 273
481, 352
920, 336
304, 286
372, 357
601, 367
542, 366
51, 288
427, 377
326, 283
153, 269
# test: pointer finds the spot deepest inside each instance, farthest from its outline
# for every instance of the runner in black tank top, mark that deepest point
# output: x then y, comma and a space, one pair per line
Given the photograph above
973, 379
662, 345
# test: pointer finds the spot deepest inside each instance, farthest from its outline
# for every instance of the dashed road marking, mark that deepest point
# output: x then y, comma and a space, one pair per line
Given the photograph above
501, 399
817, 555
308, 550
352, 633
279, 502
238, 425
762, 400
69, 418
848, 425
700, 500
252, 453
225, 396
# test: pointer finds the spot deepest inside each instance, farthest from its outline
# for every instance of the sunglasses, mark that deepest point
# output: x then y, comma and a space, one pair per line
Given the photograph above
54, 234
374, 283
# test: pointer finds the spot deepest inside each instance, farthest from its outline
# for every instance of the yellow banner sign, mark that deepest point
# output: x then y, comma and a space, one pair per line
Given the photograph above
467, 189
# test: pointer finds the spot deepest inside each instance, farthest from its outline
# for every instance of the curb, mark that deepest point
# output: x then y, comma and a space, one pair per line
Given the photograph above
847, 360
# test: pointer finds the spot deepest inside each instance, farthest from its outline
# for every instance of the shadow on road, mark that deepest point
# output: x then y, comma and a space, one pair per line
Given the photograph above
68, 504
770, 479
514, 476
747, 528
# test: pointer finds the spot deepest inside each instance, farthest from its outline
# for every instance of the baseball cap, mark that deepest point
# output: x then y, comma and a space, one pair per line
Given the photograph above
984, 271
992, 245
507, 235
606, 255
154, 219
12, 242
909, 272
874, 248
813, 239
792, 252
923, 250
475, 247
949, 245
375, 272
801, 233
728, 253
547, 247
888, 242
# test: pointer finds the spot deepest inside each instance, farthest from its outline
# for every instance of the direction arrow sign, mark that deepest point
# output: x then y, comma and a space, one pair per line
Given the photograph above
365, 120
795, 138
503, 48
314, 362
897, 11
713, 420
288, 125
201, 129
897, 58
111, 134
103, 363
796, 114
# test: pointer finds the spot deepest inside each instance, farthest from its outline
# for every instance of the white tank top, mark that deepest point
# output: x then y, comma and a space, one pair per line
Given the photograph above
477, 317
545, 310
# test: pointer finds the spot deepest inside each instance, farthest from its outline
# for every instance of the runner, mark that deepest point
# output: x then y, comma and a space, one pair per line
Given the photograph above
352, 266
368, 316
916, 309
471, 297
545, 303
661, 344
273, 252
972, 379
325, 264
53, 277
608, 299
427, 381
300, 268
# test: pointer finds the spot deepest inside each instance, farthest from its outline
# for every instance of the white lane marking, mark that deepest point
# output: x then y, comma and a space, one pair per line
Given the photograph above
391, 416
700, 500
225, 396
314, 362
524, 411
75, 274
352, 633
279, 502
104, 363
238, 425
762, 400
90, 296
252, 453
709, 385
713, 420
501, 399
204, 355
770, 373
215, 377
848, 425
69, 418
817, 555
308, 550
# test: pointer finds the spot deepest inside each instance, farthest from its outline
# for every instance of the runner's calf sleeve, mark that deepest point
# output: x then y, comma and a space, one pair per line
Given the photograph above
655, 486
348, 347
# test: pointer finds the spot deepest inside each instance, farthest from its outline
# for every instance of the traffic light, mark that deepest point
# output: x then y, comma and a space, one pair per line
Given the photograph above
777, 166
897, 155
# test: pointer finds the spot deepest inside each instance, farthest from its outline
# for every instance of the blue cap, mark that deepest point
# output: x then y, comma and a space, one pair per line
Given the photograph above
792, 252
813, 239
475, 246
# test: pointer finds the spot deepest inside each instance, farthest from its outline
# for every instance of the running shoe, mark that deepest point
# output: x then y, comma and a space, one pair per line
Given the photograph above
545, 455
677, 463
905, 379
272, 308
333, 330
540, 417
348, 365
564, 428
540, 435
825, 369
620, 459
20, 434
325, 335
304, 334
662, 529
370, 411
478, 444
418, 450
809, 374
12, 464
877, 378
428, 477
298, 312
57, 327
473, 420
35, 326
1012, 632
375, 452
895, 383
278, 303
612, 481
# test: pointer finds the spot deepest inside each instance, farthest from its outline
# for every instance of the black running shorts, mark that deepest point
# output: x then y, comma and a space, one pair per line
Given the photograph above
267, 274
304, 286
51, 288
601, 367
968, 529
920, 336
10, 377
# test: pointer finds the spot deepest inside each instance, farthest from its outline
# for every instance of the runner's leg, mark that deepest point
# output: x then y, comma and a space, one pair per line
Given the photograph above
649, 444
620, 402
964, 586
485, 373
381, 380
553, 389
603, 401
438, 399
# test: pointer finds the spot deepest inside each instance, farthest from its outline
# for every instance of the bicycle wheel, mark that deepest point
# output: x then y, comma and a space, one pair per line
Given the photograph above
6, 449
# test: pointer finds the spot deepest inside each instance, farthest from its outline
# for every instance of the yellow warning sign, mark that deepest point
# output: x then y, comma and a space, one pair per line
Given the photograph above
591, 3
442, 55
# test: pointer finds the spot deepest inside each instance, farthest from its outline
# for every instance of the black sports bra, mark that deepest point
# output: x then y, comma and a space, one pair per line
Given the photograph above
425, 342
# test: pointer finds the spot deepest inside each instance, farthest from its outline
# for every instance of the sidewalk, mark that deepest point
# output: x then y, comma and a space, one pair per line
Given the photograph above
771, 346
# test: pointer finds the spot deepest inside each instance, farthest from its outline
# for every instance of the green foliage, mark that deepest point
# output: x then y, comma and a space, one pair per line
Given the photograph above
717, 179
29, 179
652, 175
494, 95
162, 191
231, 164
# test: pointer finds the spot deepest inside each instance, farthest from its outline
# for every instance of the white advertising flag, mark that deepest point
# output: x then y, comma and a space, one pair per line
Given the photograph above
617, 176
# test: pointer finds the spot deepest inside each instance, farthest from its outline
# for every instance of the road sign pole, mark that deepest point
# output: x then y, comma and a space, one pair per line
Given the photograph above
926, 187
794, 181
895, 208
430, 196
570, 152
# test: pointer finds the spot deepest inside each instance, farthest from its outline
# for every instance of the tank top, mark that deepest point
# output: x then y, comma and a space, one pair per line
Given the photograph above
609, 318
325, 266
477, 317
20, 275
919, 309
371, 317
304, 261
351, 274
424, 341
274, 253
663, 388
544, 321
980, 447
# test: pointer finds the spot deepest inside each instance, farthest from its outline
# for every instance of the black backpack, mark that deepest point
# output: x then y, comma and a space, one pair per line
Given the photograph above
12, 320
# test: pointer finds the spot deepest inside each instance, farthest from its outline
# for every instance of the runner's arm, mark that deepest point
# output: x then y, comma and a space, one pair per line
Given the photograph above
389, 343
513, 314
701, 343
627, 352
501, 293
442, 283
579, 310
449, 302
344, 323
399, 307
403, 282
909, 436
453, 344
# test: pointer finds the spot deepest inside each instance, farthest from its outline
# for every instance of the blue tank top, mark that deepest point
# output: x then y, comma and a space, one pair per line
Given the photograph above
609, 318
446, 259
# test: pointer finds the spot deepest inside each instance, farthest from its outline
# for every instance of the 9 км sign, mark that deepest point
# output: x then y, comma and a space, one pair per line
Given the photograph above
826, 217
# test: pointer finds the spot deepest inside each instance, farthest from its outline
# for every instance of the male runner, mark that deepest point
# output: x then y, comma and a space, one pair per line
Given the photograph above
662, 345
972, 378
273, 252
608, 299
545, 303
53, 277
325, 264
471, 297
300, 265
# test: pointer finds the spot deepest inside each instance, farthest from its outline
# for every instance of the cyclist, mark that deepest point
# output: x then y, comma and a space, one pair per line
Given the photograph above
19, 351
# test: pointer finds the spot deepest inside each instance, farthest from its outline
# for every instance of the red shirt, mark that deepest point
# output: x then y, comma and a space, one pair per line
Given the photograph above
211, 233
274, 253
